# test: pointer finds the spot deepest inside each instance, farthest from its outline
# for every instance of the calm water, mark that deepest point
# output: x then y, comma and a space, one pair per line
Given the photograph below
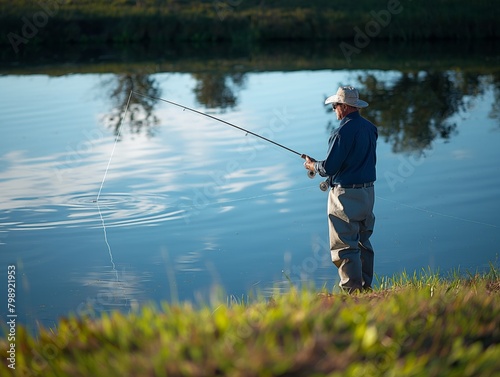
189, 203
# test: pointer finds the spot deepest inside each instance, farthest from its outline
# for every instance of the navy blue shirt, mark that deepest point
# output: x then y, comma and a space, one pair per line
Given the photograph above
351, 155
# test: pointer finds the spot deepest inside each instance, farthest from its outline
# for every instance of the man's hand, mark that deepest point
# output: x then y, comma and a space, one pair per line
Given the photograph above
309, 163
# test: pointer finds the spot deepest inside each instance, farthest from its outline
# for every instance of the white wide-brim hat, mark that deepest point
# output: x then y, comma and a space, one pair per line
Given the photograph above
348, 95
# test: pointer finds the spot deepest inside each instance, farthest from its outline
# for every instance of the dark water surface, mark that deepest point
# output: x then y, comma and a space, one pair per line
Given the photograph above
188, 203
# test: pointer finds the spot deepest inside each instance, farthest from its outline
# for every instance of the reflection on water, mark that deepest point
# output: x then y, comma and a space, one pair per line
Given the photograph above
140, 117
189, 202
411, 109
113, 290
217, 90
418, 107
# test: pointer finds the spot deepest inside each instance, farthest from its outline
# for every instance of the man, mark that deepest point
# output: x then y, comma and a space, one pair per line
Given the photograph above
350, 168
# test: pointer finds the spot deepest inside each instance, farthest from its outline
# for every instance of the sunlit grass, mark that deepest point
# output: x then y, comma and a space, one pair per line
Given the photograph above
412, 324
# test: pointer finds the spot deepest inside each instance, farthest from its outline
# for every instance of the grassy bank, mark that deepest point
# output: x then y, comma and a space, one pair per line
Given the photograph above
417, 325
59, 22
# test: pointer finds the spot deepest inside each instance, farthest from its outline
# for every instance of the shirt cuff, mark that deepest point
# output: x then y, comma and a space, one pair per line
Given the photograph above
318, 168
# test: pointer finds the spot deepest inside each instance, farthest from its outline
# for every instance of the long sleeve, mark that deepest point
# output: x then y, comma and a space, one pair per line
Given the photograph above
351, 156
339, 147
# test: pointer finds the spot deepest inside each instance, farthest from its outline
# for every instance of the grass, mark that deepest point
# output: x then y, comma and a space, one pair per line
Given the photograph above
411, 325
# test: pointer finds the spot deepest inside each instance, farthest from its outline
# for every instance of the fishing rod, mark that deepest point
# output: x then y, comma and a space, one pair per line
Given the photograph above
310, 174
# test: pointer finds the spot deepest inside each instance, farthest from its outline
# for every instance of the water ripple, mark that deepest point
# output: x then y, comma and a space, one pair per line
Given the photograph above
117, 210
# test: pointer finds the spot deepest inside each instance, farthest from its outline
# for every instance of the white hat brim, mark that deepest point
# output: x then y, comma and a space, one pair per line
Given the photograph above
331, 99
335, 99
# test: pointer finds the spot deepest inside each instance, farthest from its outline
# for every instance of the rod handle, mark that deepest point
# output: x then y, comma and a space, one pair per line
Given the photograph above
310, 174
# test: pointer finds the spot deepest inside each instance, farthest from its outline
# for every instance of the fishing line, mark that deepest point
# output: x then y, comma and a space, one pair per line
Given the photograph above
438, 213
107, 243
221, 120
102, 184
114, 146
309, 173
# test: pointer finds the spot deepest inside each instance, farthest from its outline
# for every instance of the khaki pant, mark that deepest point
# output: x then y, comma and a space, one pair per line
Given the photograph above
350, 225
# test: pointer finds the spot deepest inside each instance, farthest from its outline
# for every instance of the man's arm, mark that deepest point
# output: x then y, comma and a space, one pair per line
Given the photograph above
338, 151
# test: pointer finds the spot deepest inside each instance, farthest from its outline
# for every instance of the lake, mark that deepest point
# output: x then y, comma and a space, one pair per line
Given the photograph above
106, 206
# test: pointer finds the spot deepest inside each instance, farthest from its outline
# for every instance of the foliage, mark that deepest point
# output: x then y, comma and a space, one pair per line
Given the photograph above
420, 325
161, 21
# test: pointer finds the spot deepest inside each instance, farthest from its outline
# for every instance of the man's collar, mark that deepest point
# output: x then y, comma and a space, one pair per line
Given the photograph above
348, 117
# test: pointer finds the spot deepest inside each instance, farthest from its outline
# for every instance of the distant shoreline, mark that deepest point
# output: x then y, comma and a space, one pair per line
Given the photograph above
59, 23
480, 57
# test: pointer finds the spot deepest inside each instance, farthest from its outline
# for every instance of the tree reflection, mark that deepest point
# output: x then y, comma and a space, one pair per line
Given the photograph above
140, 117
414, 110
495, 110
418, 107
218, 90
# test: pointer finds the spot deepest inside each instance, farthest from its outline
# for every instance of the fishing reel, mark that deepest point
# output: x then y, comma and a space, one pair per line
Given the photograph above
311, 174
324, 186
